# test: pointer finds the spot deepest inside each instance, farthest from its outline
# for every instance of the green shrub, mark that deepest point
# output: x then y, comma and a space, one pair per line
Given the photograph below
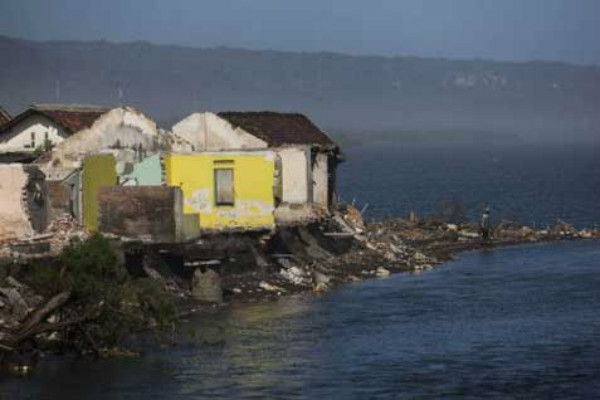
94, 273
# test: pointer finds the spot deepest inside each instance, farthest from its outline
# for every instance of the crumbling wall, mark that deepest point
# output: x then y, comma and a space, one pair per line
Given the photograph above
64, 197
295, 174
120, 128
23, 209
147, 213
35, 198
320, 180
58, 199
147, 172
98, 171
208, 132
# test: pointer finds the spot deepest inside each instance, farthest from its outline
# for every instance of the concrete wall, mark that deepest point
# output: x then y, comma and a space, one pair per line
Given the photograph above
209, 132
253, 175
147, 172
98, 171
38, 125
320, 180
122, 128
64, 197
22, 201
295, 175
59, 197
147, 213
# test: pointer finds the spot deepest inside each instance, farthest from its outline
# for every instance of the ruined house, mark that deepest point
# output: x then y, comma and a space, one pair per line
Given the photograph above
229, 190
175, 197
124, 133
306, 163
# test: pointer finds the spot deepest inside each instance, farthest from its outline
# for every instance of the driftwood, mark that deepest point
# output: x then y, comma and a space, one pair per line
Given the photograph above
35, 323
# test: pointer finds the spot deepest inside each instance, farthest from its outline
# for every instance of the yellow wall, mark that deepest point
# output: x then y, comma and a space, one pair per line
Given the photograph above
253, 175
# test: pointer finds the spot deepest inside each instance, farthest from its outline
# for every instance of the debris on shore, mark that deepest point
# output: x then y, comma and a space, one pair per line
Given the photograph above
234, 268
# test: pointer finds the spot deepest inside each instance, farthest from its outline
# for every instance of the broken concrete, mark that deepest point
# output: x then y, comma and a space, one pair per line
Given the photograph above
206, 286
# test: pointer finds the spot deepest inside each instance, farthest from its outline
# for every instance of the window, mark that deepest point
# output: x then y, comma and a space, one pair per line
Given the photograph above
224, 194
33, 140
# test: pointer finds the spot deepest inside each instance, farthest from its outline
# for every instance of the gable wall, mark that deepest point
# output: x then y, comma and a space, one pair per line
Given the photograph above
121, 128
208, 132
37, 124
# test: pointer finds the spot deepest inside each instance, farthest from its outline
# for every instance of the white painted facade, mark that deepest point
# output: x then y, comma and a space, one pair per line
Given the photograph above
30, 134
209, 132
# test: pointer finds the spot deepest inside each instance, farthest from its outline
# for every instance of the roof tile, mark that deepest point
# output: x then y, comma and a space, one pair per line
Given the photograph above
279, 128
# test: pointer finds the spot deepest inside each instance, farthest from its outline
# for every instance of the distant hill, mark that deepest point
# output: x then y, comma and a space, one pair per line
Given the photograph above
347, 93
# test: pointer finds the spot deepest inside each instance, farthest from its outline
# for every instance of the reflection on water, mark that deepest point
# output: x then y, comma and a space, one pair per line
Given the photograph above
513, 323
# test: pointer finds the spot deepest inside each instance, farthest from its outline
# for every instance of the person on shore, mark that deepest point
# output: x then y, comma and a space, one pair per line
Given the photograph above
485, 226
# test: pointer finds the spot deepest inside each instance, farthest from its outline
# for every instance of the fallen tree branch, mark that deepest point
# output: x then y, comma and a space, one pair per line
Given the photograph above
31, 326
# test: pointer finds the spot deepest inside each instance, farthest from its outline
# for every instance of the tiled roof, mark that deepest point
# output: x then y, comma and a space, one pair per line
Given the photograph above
279, 128
72, 118
4, 116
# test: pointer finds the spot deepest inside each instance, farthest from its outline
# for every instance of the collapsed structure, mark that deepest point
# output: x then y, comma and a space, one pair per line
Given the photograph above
115, 171
307, 156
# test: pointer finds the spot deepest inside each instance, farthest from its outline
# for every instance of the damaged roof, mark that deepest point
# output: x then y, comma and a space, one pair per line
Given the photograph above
4, 116
279, 128
71, 117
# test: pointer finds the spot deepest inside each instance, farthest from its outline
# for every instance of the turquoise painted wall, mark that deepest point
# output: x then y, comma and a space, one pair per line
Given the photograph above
147, 172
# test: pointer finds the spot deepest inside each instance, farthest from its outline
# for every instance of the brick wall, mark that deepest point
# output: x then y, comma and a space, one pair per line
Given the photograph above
147, 213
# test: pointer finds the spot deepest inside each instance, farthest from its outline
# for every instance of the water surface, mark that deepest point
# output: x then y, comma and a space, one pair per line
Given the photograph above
509, 323
528, 183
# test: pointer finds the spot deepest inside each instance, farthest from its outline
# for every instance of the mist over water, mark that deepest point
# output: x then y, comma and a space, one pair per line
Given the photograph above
532, 183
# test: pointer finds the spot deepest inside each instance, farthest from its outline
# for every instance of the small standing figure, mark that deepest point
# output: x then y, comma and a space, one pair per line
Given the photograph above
485, 226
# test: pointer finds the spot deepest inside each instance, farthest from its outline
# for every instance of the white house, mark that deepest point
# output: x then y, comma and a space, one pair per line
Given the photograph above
308, 158
44, 125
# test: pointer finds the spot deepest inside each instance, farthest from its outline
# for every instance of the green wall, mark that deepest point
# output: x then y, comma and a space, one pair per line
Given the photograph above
98, 171
147, 172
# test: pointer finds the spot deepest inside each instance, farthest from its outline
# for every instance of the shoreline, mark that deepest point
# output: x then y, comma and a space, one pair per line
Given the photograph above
377, 250
311, 258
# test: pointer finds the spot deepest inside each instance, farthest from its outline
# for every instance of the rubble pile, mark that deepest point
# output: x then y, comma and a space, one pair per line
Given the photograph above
62, 231
48, 244
17, 301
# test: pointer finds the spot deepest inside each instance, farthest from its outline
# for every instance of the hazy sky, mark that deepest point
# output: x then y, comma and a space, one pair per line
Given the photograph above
565, 30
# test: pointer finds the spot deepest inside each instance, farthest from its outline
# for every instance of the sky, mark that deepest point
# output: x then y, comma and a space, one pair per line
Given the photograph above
513, 30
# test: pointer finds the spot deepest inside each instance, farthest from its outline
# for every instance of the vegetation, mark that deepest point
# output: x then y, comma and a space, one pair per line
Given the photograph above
93, 301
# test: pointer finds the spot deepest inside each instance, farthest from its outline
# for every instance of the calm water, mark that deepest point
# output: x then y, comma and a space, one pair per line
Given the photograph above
514, 323
522, 182
511, 323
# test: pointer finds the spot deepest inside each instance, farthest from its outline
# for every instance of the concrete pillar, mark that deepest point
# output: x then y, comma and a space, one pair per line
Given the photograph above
206, 286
